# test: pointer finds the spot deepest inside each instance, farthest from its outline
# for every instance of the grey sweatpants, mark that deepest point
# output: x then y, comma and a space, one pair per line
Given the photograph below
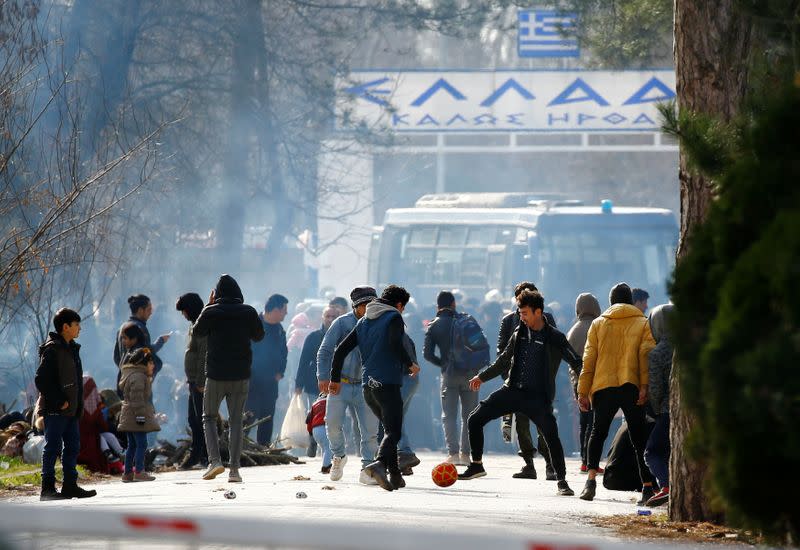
455, 390
235, 394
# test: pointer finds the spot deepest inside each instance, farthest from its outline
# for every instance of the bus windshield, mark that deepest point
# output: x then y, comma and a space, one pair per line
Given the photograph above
594, 260
448, 255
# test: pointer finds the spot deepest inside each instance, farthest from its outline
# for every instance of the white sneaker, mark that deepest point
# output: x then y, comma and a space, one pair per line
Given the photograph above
453, 459
365, 479
464, 460
337, 468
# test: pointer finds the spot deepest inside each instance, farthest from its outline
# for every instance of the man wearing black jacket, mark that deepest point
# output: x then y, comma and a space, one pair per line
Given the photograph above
229, 325
532, 357
526, 448
59, 379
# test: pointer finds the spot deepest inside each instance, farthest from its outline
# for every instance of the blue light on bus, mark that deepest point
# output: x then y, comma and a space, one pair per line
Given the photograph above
606, 206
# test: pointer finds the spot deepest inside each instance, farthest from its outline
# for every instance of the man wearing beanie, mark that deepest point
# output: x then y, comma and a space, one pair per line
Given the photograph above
350, 396
615, 376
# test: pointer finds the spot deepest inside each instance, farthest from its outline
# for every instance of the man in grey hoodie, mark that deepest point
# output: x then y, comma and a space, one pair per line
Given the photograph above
587, 309
380, 337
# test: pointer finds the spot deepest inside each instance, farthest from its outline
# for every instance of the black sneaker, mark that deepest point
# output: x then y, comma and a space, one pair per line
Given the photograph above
407, 471
647, 493
397, 481
326, 469
49, 492
407, 461
188, 463
527, 472
550, 473
473, 470
589, 490
564, 490
71, 490
377, 471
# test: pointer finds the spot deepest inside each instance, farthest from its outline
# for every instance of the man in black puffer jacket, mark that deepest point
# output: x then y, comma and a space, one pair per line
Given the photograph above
229, 325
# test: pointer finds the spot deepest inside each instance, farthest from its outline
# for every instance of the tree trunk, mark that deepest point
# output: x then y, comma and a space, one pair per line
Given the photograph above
712, 48
236, 161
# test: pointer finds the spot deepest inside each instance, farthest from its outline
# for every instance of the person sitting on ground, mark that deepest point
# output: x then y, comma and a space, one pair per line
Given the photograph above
137, 417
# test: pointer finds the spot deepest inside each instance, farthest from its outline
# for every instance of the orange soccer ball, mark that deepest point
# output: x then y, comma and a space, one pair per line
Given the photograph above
444, 474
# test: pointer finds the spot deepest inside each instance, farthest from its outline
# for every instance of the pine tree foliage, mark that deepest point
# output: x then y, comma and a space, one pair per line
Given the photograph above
738, 311
625, 33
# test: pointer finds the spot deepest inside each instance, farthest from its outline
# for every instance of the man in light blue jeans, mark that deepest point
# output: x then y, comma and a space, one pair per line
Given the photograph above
351, 395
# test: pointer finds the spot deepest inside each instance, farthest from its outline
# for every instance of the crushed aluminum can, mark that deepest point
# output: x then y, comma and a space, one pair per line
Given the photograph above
230, 495
643, 512
301, 494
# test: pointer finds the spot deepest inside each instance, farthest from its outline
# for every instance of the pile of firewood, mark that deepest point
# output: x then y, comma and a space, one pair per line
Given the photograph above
253, 454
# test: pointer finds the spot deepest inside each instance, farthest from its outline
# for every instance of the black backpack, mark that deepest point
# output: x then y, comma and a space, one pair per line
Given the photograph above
469, 350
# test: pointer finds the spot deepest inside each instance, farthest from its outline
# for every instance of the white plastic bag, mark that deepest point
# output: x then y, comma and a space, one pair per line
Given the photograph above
32, 450
294, 432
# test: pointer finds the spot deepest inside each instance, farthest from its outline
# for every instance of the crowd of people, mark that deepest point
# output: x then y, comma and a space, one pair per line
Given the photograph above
362, 362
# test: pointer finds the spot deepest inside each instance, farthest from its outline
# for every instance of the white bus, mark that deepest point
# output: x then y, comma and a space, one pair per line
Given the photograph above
481, 241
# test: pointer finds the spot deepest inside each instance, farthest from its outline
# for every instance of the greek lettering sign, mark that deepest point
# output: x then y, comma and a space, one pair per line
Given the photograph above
507, 101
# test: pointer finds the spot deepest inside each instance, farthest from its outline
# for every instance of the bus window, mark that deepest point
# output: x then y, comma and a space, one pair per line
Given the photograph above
481, 235
453, 235
422, 236
473, 266
448, 264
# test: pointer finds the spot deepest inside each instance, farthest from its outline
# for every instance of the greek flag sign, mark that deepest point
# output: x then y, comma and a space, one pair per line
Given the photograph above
545, 33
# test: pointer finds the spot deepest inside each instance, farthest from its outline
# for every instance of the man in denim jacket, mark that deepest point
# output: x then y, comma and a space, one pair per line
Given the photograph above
351, 395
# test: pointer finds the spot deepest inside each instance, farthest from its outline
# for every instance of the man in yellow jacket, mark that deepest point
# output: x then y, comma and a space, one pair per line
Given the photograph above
614, 376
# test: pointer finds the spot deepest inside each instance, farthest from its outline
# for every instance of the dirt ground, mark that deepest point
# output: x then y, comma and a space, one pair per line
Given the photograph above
658, 527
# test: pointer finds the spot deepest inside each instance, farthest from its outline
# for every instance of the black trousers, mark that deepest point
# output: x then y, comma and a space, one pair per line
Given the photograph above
587, 418
196, 424
387, 404
526, 446
605, 404
509, 400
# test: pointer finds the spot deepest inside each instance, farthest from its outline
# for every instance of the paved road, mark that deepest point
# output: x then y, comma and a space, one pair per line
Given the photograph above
495, 504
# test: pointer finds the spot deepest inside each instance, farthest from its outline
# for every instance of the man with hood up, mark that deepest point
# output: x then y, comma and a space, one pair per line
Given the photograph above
656, 452
587, 309
380, 337
614, 377
229, 325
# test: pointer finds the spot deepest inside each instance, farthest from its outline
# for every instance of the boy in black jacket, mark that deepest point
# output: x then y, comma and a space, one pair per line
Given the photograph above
59, 379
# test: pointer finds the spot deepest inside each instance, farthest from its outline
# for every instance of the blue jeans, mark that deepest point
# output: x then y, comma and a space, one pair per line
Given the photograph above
57, 430
321, 437
407, 391
656, 452
351, 396
134, 454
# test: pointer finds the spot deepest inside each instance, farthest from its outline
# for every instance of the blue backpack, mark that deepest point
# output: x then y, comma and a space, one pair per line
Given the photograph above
469, 350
